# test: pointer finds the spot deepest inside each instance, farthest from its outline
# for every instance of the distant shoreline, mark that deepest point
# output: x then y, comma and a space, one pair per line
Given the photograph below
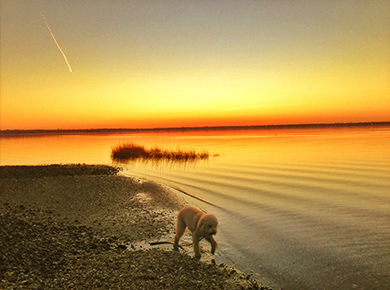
41, 132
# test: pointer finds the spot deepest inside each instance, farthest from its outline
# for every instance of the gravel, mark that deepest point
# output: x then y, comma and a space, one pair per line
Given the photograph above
85, 227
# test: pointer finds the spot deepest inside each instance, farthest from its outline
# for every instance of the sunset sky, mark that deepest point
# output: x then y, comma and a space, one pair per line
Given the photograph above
143, 64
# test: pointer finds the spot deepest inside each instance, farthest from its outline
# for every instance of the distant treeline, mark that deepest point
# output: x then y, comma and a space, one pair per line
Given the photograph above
12, 133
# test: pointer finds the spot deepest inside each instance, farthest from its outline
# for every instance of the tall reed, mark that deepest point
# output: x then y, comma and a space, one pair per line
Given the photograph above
130, 151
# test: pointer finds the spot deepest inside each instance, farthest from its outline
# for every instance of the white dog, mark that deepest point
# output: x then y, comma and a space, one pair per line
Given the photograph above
200, 224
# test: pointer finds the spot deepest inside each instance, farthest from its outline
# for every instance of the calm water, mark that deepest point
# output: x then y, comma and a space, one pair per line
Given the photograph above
303, 209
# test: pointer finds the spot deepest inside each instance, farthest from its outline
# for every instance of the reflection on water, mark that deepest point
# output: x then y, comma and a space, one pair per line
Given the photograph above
304, 209
162, 164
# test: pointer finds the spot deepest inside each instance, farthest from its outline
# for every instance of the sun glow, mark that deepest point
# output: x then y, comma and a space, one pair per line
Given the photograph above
191, 69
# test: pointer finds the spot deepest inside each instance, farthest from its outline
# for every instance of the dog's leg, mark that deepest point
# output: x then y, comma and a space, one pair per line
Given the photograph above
195, 241
181, 227
213, 243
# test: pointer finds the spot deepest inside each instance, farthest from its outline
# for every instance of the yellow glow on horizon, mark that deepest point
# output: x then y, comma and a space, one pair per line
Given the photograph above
200, 102
194, 68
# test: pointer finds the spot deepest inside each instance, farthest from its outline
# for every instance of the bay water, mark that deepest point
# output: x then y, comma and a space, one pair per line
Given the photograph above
300, 208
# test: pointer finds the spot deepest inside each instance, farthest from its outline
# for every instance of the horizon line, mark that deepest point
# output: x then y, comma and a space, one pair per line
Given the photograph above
8, 132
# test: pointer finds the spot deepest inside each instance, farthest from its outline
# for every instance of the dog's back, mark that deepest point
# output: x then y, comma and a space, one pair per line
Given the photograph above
190, 216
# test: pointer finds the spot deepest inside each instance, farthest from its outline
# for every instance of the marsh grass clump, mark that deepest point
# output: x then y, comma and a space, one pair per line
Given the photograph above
130, 151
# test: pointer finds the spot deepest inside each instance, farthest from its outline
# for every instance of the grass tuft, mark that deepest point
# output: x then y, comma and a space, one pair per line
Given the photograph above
130, 151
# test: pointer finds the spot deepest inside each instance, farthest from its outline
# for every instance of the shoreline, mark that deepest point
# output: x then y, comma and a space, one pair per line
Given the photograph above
77, 226
46, 132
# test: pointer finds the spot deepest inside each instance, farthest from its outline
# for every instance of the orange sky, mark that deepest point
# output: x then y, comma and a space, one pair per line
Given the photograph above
193, 63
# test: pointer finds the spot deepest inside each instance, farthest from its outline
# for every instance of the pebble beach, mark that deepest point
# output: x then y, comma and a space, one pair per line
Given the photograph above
80, 226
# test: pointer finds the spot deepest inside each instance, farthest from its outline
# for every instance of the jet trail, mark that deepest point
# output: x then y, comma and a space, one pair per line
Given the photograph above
52, 35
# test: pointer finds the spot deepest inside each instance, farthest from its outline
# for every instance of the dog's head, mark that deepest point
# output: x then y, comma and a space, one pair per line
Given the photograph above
209, 224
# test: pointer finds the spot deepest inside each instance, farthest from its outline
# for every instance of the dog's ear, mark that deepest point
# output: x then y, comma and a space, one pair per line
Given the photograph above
201, 222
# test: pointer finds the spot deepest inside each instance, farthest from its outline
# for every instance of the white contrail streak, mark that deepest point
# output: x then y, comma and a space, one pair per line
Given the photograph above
52, 35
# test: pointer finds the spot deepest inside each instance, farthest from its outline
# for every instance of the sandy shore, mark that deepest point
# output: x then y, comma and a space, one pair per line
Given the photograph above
86, 227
